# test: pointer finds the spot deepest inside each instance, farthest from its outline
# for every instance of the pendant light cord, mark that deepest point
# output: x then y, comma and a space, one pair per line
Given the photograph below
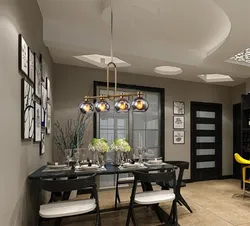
111, 31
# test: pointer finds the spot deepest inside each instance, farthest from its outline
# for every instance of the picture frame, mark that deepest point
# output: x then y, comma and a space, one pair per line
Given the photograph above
44, 107
38, 88
31, 66
48, 88
43, 69
179, 107
179, 122
23, 55
38, 118
178, 137
49, 115
27, 110
42, 143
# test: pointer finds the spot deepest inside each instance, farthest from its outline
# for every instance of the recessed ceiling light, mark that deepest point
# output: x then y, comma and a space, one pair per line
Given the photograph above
242, 58
215, 78
167, 70
101, 60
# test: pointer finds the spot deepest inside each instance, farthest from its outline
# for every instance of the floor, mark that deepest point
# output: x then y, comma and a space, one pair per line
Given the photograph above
217, 203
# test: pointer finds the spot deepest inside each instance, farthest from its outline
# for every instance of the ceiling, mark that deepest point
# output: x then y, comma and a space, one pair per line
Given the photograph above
197, 36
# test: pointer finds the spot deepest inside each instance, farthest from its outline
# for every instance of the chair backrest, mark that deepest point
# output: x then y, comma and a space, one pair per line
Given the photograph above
154, 177
182, 165
67, 185
241, 160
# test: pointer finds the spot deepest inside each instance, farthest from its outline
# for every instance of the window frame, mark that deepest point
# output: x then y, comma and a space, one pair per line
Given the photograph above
161, 92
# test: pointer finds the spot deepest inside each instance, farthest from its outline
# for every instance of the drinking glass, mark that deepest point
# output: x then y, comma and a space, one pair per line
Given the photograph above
77, 156
68, 154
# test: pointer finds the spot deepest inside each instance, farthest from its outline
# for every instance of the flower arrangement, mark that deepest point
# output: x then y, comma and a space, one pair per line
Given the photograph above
120, 145
100, 145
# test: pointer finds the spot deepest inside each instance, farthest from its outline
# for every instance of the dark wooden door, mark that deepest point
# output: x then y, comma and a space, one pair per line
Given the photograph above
206, 141
236, 138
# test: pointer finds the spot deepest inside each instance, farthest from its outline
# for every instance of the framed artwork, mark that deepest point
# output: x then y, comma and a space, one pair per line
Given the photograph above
38, 88
48, 88
179, 108
42, 144
179, 122
27, 113
48, 118
23, 56
44, 106
179, 137
43, 69
31, 66
38, 119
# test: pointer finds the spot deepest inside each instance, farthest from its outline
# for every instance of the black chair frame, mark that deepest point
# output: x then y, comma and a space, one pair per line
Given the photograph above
66, 186
146, 179
182, 165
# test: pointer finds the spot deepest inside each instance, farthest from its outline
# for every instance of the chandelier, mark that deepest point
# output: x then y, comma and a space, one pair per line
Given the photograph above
139, 104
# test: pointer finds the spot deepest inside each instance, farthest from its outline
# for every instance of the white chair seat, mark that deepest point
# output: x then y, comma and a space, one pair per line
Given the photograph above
67, 208
126, 179
154, 197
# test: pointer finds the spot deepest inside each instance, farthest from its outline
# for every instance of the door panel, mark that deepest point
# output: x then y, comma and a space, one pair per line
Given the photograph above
206, 141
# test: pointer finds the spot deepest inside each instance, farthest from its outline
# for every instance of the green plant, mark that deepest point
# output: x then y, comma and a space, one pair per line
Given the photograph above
120, 144
71, 135
100, 145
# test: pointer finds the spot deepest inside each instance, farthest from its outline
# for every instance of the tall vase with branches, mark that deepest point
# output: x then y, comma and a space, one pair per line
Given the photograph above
73, 133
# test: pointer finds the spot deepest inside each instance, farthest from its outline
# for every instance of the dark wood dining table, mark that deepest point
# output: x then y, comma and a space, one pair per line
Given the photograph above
110, 169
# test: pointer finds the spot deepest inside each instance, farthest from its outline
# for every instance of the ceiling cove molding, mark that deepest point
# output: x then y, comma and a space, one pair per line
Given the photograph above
215, 18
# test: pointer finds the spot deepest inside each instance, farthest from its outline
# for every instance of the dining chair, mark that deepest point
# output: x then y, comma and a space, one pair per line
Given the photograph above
182, 165
125, 180
68, 208
152, 198
245, 164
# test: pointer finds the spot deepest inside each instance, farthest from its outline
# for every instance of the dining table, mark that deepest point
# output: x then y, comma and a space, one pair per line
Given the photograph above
72, 172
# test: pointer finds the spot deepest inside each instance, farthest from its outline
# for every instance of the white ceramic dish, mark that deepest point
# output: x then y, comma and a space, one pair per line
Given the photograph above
155, 161
86, 167
129, 165
57, 166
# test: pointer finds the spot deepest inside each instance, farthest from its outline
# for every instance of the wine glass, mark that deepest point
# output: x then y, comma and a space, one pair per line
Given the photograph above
68, 154
77, 157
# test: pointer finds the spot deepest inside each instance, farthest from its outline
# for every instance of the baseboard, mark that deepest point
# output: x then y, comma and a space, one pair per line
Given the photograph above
187, 181
221, 178
226, 177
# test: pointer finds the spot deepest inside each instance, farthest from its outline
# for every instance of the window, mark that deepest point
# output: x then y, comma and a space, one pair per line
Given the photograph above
134, 126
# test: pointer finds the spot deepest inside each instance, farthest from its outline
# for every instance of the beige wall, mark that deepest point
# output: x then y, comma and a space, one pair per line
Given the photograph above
236, 93
18, 158
73, 83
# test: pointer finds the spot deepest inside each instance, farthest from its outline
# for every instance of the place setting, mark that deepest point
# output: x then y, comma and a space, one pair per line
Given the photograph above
56, 167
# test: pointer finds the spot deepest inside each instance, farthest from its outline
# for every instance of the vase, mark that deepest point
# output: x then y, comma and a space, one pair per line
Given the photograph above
117, 158
102, 156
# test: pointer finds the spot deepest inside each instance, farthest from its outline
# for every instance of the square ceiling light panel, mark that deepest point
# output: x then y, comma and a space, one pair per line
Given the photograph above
215, 78
241, 58
101, 60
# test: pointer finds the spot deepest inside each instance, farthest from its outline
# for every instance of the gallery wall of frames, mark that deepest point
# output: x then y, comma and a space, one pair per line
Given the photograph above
35, 96
179, 122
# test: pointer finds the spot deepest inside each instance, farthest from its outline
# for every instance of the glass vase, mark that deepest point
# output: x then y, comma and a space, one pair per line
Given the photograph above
117, 158
102, 159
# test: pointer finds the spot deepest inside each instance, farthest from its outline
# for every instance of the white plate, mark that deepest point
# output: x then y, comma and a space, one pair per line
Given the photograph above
129, 165
56, 166
154, 162
86, 167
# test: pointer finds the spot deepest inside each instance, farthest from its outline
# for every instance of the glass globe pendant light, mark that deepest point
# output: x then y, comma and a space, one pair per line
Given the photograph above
86, 107
102, 105
122, 105
140, 104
